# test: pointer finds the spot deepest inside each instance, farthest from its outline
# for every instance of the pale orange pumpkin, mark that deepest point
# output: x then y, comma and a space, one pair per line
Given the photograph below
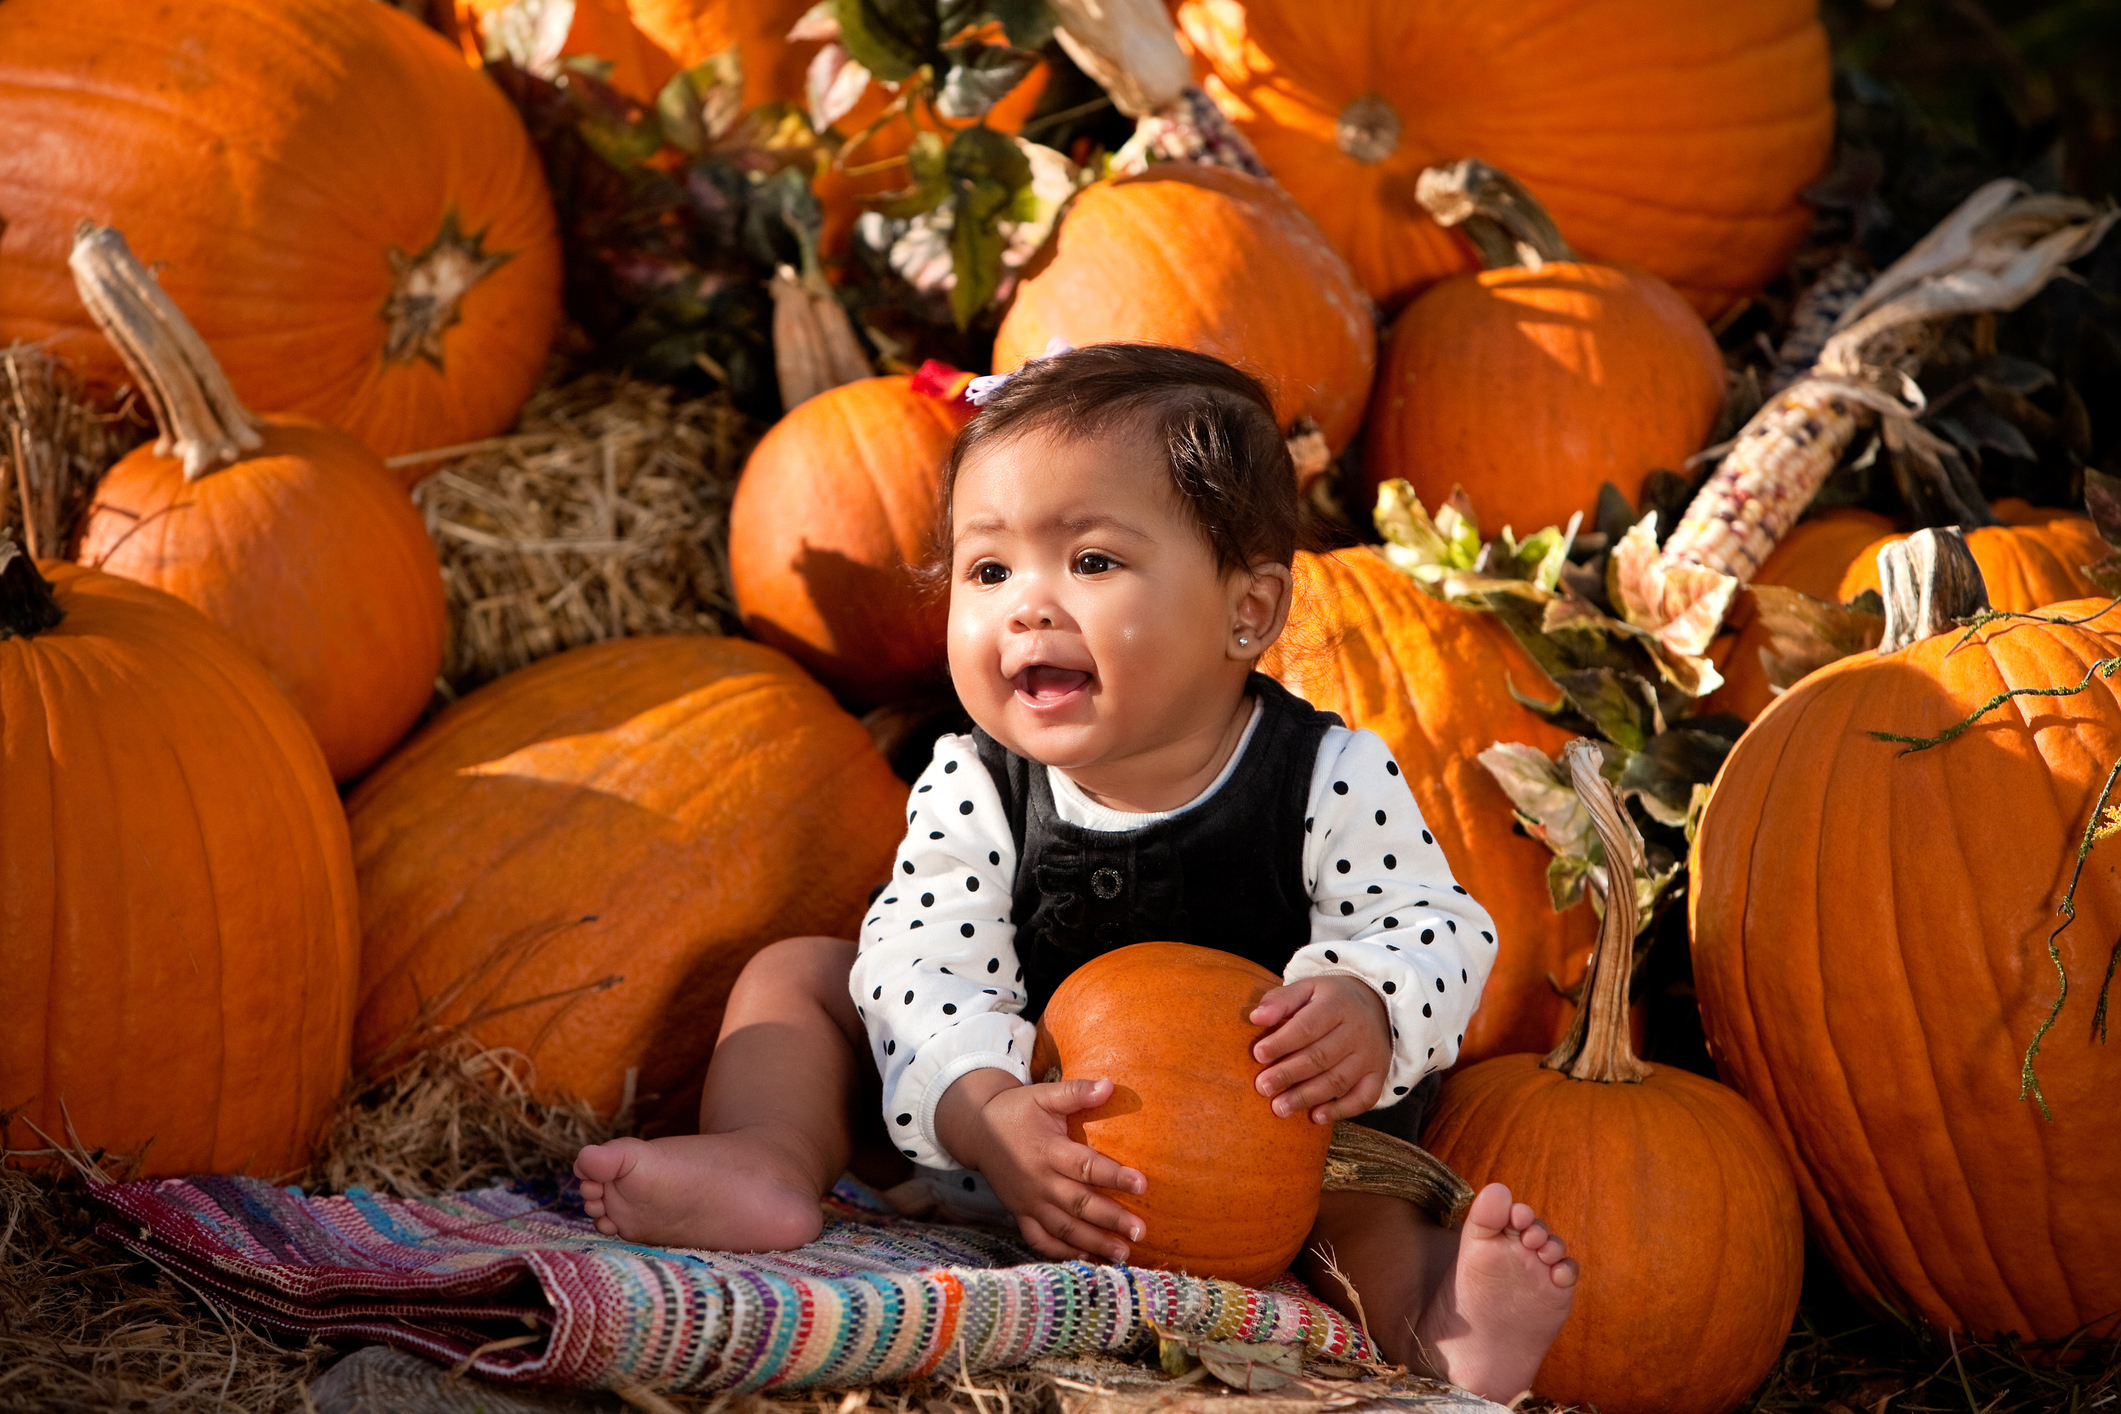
177, 913
2035, 558
355, 220
835, 511
1433, 680
303, 546
1211, 260
577, 860
1531, 384
1668, 1189
1667, 134
1232, 1187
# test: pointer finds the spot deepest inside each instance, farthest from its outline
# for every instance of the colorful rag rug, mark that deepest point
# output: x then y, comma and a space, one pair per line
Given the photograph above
529, 1292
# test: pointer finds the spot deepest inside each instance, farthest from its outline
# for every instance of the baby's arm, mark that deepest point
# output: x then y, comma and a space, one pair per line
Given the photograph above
938, 987
1387, 914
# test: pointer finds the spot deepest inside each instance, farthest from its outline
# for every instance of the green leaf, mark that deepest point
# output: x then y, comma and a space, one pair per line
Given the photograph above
702, 103
930, 187
985, 171
1621, 706
1565, 876
978, 76
1668, 769
1028, 23
784, 204
1805, 634
889, 38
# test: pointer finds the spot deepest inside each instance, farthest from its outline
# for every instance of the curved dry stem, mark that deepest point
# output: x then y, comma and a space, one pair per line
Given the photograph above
1505, 222
1597, 1046
1365, 1160
203, 423
27, 607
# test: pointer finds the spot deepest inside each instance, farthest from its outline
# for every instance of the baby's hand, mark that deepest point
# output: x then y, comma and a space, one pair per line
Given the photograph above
1017, 1136
1329, 1051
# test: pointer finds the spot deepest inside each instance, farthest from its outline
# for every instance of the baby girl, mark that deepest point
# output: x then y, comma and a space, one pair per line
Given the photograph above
1120, 523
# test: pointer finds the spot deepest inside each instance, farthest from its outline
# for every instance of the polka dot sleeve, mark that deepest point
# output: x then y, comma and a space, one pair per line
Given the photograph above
936, 979
1385, 909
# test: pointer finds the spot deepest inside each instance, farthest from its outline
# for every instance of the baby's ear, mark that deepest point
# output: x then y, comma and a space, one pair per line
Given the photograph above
1262, 608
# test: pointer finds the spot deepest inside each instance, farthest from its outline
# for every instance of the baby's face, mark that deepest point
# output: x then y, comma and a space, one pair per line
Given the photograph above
1089, 623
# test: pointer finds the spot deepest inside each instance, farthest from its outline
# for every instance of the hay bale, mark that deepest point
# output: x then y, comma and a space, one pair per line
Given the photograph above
603, 515
55, 444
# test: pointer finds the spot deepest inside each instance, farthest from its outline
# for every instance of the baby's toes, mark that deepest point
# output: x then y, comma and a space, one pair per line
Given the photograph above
1566, 1272
1552, 1250
1535, 1236
607, 1227
1522, 1217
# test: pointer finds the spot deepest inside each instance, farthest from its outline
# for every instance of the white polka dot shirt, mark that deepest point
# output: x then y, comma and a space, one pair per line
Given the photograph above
939, 987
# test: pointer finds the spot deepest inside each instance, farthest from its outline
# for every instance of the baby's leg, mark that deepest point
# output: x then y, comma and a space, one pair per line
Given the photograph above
1478, 1307
774, 1118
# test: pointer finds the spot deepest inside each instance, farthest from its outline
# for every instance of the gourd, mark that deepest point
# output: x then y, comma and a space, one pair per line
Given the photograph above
1232, 1187
1871, 930
1541, 377
355, 220
835, 510
1211, 260
291, 536
2034, 558
177, 914
1434, 681
577, 859
1604, 108
1668, 1189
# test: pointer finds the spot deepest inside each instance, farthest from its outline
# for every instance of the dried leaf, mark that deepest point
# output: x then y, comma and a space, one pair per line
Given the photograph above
701, 104
1620, 705
1805, 634
889, 38
1253, 1367
1542, 796
818, 22
986, 171
832, 85
2102, 501
1027, 23
1670, 767
1417, 544
978, 76
1566, 875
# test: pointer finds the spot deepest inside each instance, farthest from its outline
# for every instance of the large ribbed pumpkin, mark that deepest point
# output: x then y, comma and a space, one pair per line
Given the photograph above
1214, 261
1870, 932
304, 548
1668, 134
577, 859
1811, 559
1530, 388
1668, 1189
1232, 1187
177, 925
2035, 558
355, 220
836, 508
1433, 680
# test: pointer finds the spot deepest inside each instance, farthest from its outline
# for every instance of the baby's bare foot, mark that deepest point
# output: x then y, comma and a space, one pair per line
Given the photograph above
1490, 1324
739, 1191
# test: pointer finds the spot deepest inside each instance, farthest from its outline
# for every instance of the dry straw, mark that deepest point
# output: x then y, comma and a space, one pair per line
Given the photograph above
55, 444
604, 514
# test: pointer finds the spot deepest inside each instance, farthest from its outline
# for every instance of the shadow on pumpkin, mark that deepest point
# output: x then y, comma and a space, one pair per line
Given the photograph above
869, 633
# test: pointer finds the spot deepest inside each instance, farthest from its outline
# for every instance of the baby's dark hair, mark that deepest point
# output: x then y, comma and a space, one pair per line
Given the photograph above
1228, 460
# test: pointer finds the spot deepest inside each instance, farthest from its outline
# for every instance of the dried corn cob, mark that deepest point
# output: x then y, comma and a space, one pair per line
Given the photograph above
1812, 322
1993, 253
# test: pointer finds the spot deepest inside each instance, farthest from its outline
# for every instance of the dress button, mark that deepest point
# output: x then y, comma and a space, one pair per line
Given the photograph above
1105, 883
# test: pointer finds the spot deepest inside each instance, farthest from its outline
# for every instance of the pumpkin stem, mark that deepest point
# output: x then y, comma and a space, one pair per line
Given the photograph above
1929, 581
203, 423
1506, 224
27, 607
1364, 1160
1597, 1047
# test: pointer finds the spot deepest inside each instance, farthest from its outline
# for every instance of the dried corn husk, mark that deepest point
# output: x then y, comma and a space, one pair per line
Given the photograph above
2002, 245
603, 515
814, 347
1131, 48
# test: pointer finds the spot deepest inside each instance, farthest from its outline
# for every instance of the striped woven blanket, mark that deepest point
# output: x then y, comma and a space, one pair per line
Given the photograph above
526, 1291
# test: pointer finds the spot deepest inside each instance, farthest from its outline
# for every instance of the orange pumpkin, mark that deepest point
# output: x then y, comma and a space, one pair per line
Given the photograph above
1211, 260
1872, 986
357, 222
836, 507
1811, 559
647, 42
1531, 387
1233, 1188
177, 924
1661, 133
2035, 558
577, 859
1668, 1189
304, 548
1433, 680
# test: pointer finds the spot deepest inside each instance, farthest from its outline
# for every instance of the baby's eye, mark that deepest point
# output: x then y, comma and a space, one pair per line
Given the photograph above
1091, 562
990, 573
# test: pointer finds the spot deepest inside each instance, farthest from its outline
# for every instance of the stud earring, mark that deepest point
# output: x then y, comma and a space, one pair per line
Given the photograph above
1243, 641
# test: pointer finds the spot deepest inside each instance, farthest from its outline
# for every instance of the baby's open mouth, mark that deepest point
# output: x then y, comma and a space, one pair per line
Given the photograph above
1042, 682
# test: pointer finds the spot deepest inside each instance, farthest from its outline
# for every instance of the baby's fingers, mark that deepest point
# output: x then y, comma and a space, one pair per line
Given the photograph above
1331, 1083
1358, 1100
1046, 1244
1088, 1223
1094, 1170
